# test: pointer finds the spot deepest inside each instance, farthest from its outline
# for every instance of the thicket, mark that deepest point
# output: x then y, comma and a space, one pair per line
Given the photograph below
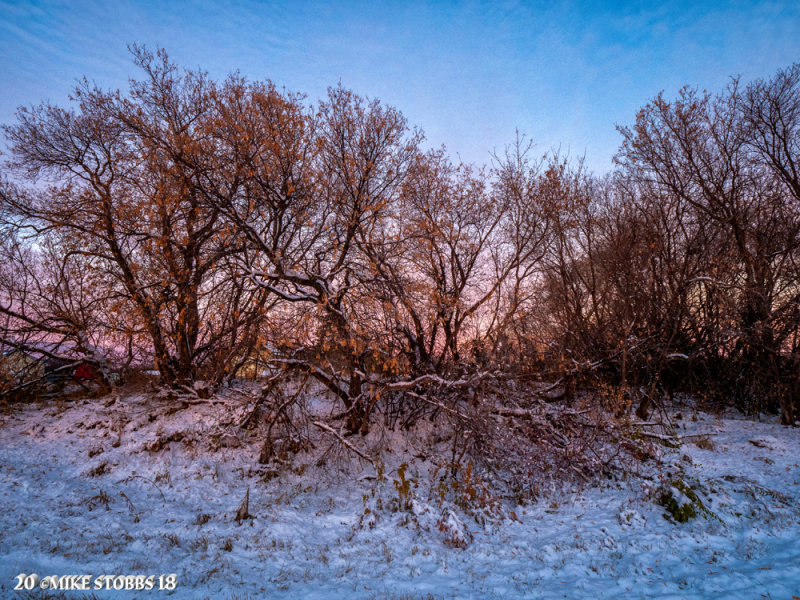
222, 229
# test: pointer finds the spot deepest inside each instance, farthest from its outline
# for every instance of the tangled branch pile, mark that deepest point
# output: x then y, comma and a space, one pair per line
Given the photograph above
217, 230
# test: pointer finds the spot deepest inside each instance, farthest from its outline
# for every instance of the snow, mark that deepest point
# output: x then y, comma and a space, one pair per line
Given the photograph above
104, 487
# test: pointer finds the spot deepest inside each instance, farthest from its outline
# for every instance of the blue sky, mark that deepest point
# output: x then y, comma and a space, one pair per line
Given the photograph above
468, 73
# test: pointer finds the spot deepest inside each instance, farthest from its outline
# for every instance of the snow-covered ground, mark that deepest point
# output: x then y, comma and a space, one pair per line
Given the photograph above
101, 487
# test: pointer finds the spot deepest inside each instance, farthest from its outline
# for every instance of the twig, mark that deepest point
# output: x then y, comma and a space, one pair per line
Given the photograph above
153, 483
197, 401
579, 472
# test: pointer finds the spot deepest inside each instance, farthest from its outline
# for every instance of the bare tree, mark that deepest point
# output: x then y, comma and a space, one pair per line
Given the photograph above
119, 180
699, 149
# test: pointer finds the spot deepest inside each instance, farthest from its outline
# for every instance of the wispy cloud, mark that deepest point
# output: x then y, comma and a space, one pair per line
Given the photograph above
468, 73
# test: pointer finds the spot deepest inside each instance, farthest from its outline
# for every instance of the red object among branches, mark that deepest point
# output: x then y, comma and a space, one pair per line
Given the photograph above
86, 372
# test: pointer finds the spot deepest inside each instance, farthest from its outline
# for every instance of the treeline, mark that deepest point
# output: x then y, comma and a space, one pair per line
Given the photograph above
220, 228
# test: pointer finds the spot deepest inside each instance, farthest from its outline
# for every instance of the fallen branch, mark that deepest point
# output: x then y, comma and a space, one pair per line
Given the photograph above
344, 442
657, 436
696, 435
438, 405
435, 379
515, 412
197, 401
46, 379
252, 411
